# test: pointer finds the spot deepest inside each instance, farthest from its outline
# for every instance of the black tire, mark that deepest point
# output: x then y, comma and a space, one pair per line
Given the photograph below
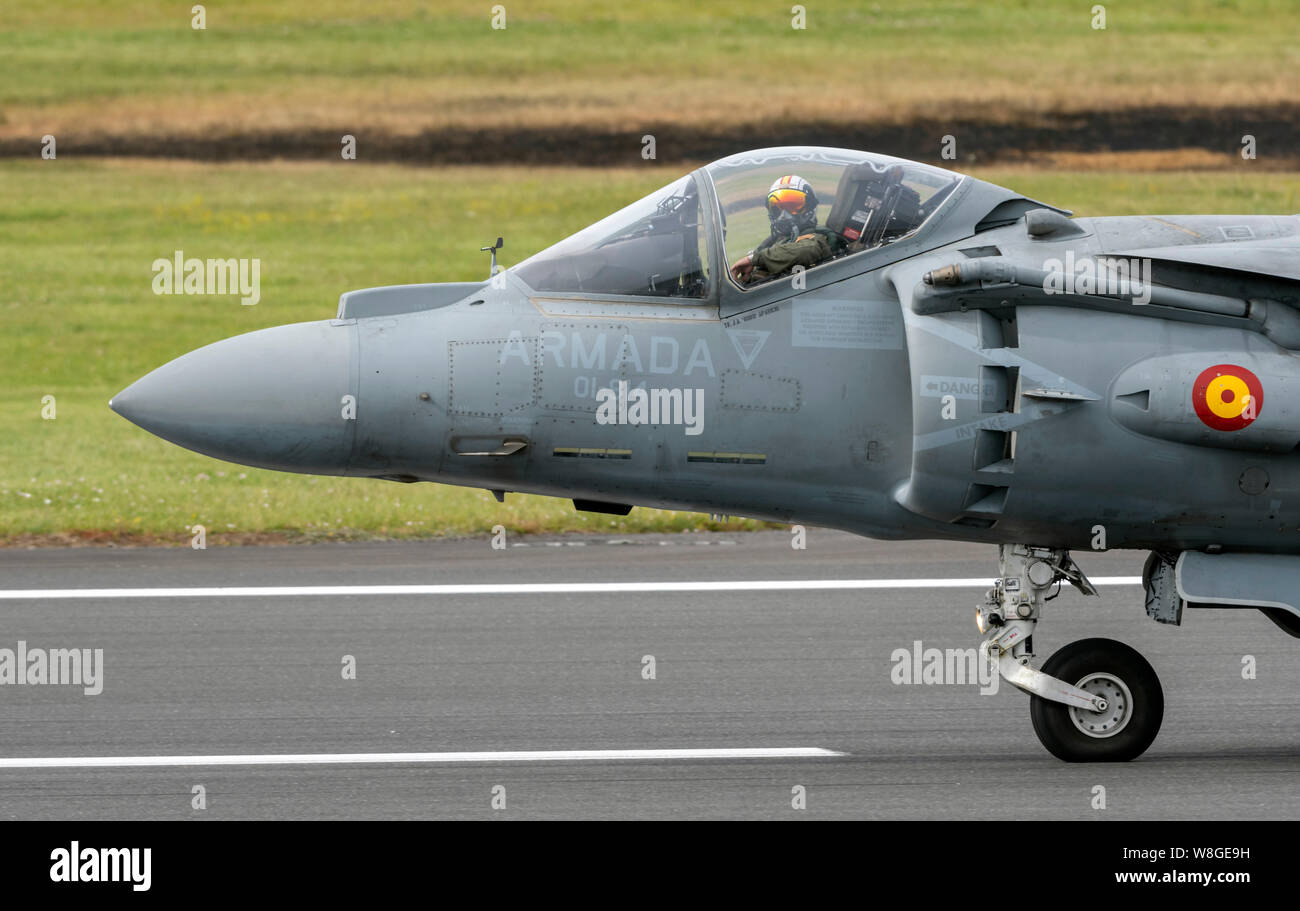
1054, 721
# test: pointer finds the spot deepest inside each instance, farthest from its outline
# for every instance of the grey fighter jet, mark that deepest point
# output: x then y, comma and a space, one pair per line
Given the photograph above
842, 339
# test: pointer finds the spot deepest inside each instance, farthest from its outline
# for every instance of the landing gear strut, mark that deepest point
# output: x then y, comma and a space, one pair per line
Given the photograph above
1095, 700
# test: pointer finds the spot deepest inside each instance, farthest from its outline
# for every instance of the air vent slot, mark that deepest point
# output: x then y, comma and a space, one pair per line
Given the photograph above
998, 331
1140, 400
998, 389
993, 450
985, 498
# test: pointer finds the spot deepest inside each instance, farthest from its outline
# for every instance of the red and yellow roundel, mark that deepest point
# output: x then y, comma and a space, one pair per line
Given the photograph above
1227, 397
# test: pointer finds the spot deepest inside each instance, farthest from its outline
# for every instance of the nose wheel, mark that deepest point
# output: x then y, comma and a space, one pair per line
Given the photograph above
1128, 708
1096, 700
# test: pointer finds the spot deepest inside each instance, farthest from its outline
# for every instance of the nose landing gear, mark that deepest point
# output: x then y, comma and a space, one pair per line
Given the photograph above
1095, 700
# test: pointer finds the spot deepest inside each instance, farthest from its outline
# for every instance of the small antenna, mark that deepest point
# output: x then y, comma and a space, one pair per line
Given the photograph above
494, 248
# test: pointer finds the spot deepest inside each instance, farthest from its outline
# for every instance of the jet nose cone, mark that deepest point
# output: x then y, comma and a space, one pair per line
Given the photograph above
273, 399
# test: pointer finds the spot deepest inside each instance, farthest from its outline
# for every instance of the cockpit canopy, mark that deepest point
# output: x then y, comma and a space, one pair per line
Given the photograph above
654, 247
865, 201
659, 246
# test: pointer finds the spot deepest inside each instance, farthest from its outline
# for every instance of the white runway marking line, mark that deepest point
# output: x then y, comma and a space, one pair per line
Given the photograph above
128, 762
519, 588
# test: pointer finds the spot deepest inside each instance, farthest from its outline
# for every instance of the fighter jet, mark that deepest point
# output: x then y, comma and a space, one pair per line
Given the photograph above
841, 339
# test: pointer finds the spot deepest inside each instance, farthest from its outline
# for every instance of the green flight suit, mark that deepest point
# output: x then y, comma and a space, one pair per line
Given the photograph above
772, 260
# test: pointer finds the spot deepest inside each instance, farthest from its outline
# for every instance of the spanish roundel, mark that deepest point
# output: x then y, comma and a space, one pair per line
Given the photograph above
1227, 397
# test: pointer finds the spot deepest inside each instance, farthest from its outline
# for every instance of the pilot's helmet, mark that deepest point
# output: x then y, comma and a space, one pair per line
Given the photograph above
791, 205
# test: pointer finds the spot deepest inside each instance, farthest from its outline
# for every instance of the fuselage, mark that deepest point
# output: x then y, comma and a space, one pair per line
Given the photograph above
848, 396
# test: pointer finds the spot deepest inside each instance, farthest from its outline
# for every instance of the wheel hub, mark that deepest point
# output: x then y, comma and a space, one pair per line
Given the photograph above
1114, 712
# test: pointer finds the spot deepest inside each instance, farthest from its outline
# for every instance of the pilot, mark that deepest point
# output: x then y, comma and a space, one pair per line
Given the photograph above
795, 238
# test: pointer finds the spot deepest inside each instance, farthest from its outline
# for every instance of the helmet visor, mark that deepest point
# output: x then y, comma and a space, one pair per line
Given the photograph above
786, 199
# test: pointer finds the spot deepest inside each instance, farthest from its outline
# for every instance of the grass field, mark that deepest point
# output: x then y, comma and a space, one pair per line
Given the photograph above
137, 66
80, 321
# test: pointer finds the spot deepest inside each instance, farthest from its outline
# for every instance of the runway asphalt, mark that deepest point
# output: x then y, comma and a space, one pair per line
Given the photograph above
200, 675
